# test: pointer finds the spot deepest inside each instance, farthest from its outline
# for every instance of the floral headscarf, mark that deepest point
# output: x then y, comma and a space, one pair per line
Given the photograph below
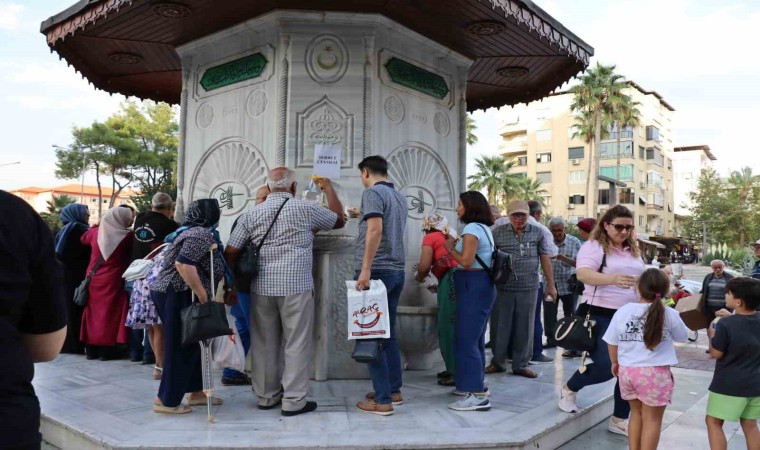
437, 221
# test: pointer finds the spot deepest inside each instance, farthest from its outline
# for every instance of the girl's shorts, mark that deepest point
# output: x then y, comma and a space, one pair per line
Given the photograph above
653, 386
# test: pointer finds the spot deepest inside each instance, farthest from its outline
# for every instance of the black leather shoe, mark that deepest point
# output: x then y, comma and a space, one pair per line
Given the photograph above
309, 407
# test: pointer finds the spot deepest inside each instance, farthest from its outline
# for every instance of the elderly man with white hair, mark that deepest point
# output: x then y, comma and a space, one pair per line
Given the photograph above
282, 294
564, 267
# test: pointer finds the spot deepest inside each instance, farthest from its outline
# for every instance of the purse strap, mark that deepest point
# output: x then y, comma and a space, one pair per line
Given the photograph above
211, 258
261, 242
486, 267
95, 267
155, 250
601, 267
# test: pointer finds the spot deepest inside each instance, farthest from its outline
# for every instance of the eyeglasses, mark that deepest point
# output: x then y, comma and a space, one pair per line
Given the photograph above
619, 228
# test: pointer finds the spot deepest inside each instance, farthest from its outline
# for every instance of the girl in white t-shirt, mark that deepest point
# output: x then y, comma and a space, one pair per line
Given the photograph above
640, 340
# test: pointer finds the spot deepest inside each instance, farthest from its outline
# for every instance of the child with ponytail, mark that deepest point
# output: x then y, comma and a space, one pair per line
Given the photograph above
640, 340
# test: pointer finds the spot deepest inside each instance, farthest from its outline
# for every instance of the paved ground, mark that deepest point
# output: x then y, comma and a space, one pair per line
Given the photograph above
683, 426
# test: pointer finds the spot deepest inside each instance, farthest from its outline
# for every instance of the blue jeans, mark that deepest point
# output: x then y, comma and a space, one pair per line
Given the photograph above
601, 369
538, 329
242, 314
386, 373
475, 296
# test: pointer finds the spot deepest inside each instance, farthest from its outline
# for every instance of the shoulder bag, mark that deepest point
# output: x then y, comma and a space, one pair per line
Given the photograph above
248, 265
367, 350
500, 269
578, 332
82, 292
202, 321
140, 268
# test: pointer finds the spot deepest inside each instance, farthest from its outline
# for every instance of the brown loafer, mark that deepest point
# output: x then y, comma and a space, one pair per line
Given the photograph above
396, 398
372, 407
527, 373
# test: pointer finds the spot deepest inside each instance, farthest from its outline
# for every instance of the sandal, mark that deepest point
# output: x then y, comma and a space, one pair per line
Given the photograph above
157, 372
161, 409
215, 401
493, 368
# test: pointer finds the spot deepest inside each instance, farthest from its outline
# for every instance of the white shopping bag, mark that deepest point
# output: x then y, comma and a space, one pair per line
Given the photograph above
368, 316
227, 351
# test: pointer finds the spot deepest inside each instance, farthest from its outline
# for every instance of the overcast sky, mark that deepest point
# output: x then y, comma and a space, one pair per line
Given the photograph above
699, 54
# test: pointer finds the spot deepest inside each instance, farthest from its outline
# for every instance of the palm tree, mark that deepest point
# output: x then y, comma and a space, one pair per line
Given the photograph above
470, 126
531, 189
746, 187
53, 213
491, 170
595, 98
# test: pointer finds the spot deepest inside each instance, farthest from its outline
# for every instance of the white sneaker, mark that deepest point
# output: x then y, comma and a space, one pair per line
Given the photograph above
618, 427
471, 402
459, 393
567, 400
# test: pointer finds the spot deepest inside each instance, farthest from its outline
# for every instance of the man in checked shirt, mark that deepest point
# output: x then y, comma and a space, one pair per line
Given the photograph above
282, 295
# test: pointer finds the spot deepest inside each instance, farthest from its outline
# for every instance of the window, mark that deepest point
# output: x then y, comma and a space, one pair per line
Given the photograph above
609, 150
604, 197
642, 153
577, 199
641, 221
571, 130
544, 135
522, 161
655, 155
627, 196
544, 177
544, 157
656, 199
626, 133
669, 162
653, 133
575, 152
577, 176
654, 178
93, 200
105, 202
626, 172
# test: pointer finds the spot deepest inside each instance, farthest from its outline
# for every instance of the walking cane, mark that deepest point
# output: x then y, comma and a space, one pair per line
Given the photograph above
208, 378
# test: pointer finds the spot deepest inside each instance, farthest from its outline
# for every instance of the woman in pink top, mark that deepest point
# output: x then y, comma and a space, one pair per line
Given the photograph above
608, 264
437, 260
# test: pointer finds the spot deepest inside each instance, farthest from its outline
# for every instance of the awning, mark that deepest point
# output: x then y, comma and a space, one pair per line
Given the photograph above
656, 244
643, 200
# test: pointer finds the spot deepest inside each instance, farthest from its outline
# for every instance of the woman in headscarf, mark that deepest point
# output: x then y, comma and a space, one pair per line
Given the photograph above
436, 259
106, 310
186, 273
74, 257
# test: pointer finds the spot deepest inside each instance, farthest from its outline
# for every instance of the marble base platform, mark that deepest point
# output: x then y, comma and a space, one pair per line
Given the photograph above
107, 405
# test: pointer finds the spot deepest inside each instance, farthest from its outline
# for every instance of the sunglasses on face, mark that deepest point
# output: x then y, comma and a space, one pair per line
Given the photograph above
619, 228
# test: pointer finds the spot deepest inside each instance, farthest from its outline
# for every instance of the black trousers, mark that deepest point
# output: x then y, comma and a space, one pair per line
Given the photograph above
550, 314
182, 364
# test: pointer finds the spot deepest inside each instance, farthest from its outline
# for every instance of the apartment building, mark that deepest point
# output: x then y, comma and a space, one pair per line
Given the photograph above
539, 137
38, 197
688, 164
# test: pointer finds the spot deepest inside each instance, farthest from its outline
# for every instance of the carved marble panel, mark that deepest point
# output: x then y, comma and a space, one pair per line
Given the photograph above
394, 109
256, 103
327, 59
204, 116
324, 122
233, 77
441, 123
230, 171
439, 89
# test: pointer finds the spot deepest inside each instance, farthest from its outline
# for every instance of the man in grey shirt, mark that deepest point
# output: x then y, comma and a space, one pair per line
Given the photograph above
380, 256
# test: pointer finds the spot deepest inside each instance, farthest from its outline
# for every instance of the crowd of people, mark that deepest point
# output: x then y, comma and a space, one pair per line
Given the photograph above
601, 275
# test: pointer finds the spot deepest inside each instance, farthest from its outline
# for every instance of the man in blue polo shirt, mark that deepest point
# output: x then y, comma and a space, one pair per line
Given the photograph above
380, 256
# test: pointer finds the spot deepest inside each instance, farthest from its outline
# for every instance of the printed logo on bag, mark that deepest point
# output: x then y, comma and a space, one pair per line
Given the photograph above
366, 317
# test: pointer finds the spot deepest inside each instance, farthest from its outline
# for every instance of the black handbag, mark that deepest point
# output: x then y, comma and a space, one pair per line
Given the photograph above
578, 332
367, 350
248, 265
202, 321
501, 265
82, 292
575, 286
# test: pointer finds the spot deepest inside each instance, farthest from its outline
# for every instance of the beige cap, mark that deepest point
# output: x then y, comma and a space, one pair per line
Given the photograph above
755, 244
518, 206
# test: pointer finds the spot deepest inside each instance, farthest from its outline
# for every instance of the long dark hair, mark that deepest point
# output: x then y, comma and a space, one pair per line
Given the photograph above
476, 208
653, 286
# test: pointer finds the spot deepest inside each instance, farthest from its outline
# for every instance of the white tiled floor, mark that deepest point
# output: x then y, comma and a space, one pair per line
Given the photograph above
110, 402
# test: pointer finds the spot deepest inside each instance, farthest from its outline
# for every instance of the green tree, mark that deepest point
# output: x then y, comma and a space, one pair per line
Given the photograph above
743, 194
491, 170
470, 125
598, 94
531, 189
711, 208
153, 128
52, 215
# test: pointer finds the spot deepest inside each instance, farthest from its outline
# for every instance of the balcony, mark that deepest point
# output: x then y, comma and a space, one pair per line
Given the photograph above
659, 231
510, 148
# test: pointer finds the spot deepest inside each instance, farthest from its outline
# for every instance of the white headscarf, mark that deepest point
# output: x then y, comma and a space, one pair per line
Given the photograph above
113, 229
438, 221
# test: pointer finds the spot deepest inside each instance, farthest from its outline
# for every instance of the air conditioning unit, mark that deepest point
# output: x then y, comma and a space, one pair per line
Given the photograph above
575, 162
571, 206
643, 184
